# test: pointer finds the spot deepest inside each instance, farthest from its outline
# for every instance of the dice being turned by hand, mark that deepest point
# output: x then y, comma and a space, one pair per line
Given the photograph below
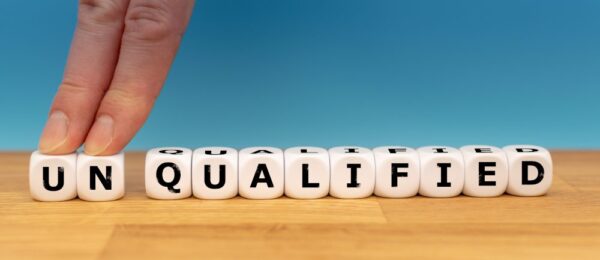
53, 177
100, 178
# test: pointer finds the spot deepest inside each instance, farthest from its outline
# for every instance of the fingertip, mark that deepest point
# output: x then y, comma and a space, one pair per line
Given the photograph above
55, 134
100, 136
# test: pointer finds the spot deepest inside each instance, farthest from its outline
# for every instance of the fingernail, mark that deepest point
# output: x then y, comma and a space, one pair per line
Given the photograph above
55, 132
100, 136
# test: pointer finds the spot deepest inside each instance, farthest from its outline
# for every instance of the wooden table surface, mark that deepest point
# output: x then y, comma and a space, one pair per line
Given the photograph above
561, 225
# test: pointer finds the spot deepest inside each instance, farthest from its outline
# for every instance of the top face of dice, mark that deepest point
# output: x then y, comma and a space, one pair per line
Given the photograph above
53, 177
261, 172
486, 170
168, 173
397, 171
100, 178
442, 171
306, 172
530, 170
215, 173
352, 172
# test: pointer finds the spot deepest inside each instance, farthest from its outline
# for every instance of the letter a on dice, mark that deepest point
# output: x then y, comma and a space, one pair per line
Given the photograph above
261, 173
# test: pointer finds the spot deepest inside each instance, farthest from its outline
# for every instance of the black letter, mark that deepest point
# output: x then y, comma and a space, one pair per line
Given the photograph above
353, 175
396, 173
305, 183
397, 150
261, 151
483, 150
444, 181
169, 151
483, 173
440, 150
221, 182
61, 179
525, 166
267, 179
351, 150
209, 152
526, 150
176, 176
106, 182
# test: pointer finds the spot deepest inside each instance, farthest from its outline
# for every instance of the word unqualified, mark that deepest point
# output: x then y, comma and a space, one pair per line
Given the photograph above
300, 172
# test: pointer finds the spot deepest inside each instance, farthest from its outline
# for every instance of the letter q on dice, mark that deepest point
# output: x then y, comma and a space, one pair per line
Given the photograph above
168, 173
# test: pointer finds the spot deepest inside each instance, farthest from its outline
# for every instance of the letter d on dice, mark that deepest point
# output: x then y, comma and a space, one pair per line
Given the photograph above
169, 173
529, 170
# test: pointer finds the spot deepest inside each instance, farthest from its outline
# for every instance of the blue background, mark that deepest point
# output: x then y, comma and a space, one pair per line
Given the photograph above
328, 73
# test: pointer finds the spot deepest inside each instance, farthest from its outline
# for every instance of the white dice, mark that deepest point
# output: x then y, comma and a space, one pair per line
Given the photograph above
261, 173
53, 177
306, 172
442, 171
529, 170
346, 172
100, 178
215, 173
352, 172
486, 170
168, 173
397, 172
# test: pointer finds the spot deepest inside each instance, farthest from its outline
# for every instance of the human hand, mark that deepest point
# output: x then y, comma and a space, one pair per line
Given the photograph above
119, 58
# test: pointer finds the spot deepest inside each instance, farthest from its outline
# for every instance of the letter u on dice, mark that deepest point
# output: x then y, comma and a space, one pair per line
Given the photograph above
346, 172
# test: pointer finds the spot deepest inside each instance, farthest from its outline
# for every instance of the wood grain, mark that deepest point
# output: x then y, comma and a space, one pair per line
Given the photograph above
563, 224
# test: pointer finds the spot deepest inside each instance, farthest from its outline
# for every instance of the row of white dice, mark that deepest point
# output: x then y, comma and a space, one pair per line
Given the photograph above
347, 172
64, 177
301, 172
